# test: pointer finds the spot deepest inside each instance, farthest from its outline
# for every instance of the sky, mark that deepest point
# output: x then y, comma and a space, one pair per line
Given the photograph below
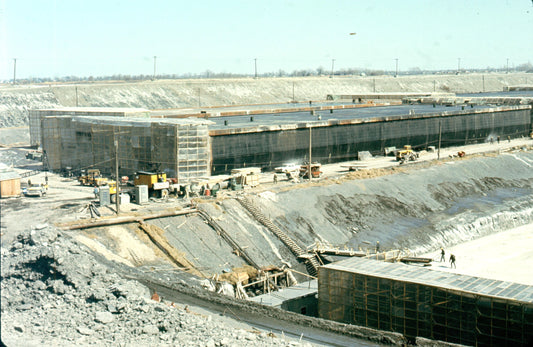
57, 38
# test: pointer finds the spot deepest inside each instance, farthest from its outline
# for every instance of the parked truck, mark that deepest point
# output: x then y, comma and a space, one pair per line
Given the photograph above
156, 181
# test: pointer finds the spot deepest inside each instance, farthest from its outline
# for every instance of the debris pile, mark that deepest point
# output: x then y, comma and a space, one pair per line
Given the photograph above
55, 292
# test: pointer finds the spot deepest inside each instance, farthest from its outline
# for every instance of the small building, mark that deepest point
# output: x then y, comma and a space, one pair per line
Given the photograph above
301, 298
9, 182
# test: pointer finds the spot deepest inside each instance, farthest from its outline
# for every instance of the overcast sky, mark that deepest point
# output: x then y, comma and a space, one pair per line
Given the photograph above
105, 37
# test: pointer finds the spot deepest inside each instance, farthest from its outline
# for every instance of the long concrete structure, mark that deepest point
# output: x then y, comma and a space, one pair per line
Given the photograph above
337, 140
195, 147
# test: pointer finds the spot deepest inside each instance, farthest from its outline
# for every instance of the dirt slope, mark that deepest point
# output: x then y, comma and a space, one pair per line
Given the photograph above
16, 100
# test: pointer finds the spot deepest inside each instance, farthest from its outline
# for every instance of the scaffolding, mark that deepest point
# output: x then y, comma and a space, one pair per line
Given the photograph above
178, 147
35, 116
418, 301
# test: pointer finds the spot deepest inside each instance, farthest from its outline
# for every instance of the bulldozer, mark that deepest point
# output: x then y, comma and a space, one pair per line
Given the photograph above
406, 154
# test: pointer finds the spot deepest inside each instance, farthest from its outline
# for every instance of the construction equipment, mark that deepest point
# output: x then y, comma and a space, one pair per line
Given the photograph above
292, 171
406, 154
156, 181
92, 177
248, 176
112, 190
315, 170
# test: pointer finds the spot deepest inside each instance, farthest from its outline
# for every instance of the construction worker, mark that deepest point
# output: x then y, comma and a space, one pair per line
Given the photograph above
275, 179
452, 261
498, 139
442, 255
95, 192
377, 246
509, 139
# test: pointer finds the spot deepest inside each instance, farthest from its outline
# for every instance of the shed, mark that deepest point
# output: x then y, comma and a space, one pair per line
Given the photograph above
9, 183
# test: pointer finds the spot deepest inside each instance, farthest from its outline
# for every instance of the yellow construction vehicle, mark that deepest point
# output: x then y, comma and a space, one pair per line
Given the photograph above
315, 170
157, 182
112, 191
406, 154
92, 177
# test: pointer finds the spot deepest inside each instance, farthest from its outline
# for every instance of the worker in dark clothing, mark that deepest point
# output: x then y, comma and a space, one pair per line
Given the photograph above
442, 255
275, 178
509, 139
452, 261
498, 139
377, 246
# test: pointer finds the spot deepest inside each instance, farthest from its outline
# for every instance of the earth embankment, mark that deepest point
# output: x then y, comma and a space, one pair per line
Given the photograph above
15, 101
419, 209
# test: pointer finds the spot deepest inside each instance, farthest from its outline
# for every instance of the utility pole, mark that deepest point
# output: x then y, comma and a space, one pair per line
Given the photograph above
255, 60
199, 97
14, 70
76, 96
332, 66
117, 195
396, 75
458, 65
507, 65
310, 146
293, 92
155, 59
440, 134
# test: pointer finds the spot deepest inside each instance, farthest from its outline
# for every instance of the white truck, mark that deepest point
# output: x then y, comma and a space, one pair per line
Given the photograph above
36, 190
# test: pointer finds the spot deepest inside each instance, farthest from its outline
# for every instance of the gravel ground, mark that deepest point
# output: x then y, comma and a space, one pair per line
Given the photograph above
54, 292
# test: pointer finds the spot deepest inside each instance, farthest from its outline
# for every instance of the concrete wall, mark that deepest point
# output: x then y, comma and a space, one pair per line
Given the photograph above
336, 141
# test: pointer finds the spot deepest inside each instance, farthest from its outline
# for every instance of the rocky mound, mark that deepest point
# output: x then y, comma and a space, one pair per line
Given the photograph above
54, 292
